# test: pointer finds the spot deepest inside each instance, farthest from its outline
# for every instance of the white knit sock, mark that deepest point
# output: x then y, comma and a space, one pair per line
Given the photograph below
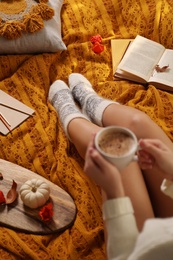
61, 98
91, 103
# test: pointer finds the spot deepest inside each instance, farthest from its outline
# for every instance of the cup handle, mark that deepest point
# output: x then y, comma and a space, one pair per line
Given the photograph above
135, 157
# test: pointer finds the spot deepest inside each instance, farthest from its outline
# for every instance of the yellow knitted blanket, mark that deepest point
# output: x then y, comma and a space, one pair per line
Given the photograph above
40, 145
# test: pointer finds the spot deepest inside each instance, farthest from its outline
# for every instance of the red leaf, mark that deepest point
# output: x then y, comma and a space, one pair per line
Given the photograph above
46, 212
12, 193
98, 48
96, 38
2, 198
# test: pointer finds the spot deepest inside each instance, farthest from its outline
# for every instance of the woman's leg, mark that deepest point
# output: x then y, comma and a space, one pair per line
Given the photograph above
132, 178
106, 112
143, 127
82, 137
136, 120
80, 130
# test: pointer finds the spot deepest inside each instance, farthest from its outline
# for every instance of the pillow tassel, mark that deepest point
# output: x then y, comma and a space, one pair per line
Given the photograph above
44, 10
33, 22
11, 29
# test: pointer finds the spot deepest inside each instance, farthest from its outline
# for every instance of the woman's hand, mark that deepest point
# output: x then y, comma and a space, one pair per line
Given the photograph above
103, 173
154, 153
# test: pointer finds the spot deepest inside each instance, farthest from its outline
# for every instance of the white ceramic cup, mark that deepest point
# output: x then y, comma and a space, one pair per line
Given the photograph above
120, 161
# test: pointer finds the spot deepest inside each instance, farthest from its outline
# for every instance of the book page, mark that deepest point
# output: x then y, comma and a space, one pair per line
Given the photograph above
141, 57
165, 77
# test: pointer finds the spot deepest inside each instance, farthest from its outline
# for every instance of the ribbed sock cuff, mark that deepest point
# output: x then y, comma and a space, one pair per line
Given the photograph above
68, 119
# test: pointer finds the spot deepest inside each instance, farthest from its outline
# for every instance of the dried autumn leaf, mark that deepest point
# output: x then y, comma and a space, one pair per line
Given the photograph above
46, 212
12, 193
96, 38
2, 198
161, 69
97, 48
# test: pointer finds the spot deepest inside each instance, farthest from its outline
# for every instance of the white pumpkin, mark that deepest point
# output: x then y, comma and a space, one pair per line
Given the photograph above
34, 193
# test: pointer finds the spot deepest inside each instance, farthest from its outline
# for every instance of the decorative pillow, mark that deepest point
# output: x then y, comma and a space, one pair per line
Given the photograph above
45, 39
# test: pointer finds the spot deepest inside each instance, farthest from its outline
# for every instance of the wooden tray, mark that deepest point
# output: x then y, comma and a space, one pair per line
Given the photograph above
19, 217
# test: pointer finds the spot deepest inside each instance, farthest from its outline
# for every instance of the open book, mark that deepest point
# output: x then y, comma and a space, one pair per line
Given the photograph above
144, 61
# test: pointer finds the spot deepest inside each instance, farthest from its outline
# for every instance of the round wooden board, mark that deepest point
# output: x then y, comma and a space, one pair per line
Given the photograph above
19, 217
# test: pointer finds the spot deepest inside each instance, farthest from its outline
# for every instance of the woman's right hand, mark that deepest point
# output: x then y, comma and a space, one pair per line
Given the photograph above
105, 174
154, 153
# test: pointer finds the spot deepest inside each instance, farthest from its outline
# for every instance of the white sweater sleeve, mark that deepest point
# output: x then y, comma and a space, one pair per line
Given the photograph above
121, 228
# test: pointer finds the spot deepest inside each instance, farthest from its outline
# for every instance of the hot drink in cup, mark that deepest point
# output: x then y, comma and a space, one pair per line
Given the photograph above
117, 144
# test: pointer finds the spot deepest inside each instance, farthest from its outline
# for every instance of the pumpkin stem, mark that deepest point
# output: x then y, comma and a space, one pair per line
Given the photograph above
33, 189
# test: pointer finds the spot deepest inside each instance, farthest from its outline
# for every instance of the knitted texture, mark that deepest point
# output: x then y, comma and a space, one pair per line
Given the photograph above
40, 144
17, 17
61, 98
91, 104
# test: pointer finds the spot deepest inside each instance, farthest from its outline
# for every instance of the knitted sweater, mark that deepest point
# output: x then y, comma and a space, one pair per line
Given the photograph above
125, 242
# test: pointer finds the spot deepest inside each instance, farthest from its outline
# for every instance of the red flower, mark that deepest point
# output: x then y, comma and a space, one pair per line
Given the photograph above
96, 38
46, 212
2, 198
97, 47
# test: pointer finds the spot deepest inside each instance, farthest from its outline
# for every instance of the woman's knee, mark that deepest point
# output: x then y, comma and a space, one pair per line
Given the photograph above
139, 122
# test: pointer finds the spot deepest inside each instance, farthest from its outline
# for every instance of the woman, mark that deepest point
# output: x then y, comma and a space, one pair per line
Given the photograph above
96, 112
123, 239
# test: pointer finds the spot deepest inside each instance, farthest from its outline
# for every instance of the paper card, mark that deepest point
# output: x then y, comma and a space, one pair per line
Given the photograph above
118, 47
